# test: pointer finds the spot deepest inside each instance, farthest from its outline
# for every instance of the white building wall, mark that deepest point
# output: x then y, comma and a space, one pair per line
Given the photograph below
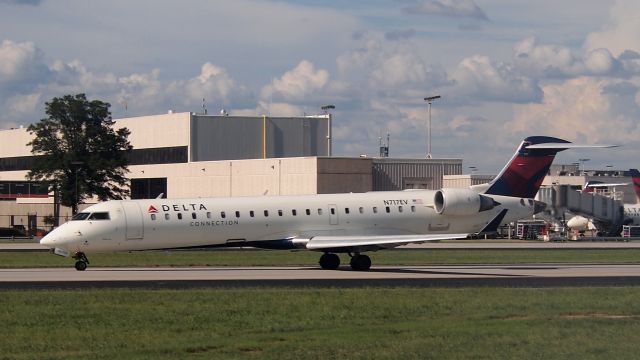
14, 142
155, 131
287, 176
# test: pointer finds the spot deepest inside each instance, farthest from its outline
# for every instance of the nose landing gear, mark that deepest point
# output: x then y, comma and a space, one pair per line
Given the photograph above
81, 261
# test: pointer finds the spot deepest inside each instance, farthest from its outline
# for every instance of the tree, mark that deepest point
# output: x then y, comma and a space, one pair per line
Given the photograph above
78, 152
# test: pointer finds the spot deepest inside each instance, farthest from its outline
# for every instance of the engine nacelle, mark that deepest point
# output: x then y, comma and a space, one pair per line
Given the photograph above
462, 202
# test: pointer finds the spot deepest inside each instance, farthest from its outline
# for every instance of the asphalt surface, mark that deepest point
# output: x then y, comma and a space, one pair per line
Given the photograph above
514, 275
556, 275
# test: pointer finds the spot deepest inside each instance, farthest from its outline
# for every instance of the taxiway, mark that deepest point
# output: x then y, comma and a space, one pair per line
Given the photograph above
546, 275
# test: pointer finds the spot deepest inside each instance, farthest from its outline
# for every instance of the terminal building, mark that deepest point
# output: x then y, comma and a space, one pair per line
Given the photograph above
188, 155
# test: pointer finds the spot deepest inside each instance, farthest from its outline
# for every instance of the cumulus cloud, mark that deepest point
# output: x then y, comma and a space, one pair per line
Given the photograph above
621, 31
598, 110
27, 82
297, 84
22, 66
554, 61
393, 68
483, 79
451, 8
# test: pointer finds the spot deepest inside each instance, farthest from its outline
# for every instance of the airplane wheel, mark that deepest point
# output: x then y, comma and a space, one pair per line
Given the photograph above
360, 263
82, 261
329, 261
81, 265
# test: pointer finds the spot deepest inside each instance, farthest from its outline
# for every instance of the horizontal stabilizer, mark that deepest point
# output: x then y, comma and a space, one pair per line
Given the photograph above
383, 241
569, 146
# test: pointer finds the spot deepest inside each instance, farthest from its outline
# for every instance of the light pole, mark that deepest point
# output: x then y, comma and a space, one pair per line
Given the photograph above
582, 161
429, 100
326, 109
77, 165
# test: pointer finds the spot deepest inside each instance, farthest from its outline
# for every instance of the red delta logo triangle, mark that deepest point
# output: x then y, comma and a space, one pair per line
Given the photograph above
152, 209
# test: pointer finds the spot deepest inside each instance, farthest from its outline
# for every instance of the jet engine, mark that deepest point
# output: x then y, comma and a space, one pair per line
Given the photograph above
462, 202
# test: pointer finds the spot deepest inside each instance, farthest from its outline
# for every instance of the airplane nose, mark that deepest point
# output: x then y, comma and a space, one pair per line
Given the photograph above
47, 240
539, 206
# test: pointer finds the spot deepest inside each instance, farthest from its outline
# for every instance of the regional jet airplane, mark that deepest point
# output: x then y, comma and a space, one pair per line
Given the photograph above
327, 223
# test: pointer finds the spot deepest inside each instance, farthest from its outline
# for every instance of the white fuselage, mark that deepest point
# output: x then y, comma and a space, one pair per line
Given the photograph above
183, 223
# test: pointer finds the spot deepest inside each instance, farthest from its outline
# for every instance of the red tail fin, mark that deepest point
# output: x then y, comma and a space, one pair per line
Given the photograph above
635, 177
524, 173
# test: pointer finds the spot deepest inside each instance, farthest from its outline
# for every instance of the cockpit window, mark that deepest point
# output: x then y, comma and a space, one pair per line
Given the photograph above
99, 216
80, 216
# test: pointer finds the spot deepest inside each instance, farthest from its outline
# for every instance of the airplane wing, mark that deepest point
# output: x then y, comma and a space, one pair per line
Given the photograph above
364, 243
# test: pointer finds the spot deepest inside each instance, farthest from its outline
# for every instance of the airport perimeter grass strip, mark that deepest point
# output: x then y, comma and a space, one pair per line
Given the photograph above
297, 258
402, 323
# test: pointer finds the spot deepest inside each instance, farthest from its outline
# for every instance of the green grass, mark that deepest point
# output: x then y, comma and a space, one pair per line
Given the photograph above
322, 323
292, 258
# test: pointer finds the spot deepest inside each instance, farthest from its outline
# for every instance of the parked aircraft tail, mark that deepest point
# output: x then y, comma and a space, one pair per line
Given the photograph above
635, 177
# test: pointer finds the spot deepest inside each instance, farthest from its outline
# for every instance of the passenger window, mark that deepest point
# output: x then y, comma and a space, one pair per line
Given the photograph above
166, 216
223, 215
153, 217
400, 208
308, 212
279, 212
251, 213
266, 213
179, 216
375, 209
388, 209
413, 208
208, 215
193, 216
237, 214
319, 211
333, 211
346, 210
361, 210
522, 202
294, 212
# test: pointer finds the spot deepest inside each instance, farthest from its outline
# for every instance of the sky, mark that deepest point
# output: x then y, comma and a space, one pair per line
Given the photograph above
504, 70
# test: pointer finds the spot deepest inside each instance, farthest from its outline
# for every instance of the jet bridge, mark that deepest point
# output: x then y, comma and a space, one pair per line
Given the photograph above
604, 210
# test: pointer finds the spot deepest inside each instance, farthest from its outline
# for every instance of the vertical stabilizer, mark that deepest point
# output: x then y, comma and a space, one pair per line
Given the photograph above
524, 173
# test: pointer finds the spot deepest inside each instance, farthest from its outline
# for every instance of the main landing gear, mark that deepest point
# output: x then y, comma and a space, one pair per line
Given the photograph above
329, 261
81, 261
359, 262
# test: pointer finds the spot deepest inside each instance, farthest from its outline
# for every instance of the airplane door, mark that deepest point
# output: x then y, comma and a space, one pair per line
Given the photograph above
333, 214
133, 217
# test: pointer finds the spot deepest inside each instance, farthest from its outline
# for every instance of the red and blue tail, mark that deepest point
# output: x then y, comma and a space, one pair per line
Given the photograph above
635, 177
524, 173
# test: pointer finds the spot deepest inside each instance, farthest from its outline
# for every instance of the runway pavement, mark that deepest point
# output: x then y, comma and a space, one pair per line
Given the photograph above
419, 276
